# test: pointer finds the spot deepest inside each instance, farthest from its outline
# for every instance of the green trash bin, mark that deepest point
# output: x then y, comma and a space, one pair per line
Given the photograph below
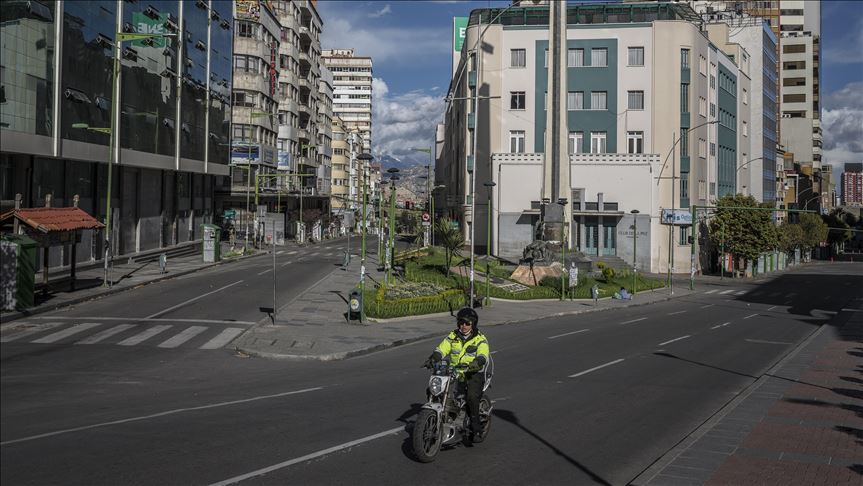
212, 243
19, 272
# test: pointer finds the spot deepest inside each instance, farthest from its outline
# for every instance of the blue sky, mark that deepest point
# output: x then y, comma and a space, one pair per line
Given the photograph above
410, 44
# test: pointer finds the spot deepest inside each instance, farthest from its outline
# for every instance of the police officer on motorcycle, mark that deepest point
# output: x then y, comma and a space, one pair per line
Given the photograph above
467, 346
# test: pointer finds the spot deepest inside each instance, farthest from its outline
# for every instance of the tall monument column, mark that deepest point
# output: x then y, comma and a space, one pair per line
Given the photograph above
556, 179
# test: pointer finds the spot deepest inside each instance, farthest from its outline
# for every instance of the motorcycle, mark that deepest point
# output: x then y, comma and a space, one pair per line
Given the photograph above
444, 419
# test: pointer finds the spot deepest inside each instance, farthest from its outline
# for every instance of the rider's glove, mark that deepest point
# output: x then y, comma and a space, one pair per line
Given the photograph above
434, 358
474, 366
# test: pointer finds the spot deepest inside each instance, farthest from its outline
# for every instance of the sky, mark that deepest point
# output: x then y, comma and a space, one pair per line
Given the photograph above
410, 43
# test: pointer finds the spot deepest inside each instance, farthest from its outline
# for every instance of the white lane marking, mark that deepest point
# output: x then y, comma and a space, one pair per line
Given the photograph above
265, 271
634, 320
761, 341
169, 309
772, 307
706, 306
75, 329
29, 331
280, 252
675, 339
145, 335
307, 457
678, 312
711, 291
750, 315
106, 334
159, 414
138, 319
315, 253
223, 338
286, 264
182, 337
292, 252
740, 292
726, 291
852, 310
596, 368
721, 325
568, 333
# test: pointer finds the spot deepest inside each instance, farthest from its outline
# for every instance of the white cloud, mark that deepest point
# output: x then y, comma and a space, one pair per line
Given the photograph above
404, 121
842, 125
381, 12
386, 43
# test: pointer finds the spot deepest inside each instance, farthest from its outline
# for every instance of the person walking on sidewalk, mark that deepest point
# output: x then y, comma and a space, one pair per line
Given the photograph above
466, 346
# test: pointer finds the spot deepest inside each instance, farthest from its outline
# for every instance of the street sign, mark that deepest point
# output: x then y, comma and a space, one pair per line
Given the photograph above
426, 217
426, 223
230, 214
680, 217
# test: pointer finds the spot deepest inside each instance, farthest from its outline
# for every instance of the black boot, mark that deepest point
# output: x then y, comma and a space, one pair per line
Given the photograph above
476, 428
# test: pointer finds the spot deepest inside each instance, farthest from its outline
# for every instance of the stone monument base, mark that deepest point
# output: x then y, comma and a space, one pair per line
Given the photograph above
522, 273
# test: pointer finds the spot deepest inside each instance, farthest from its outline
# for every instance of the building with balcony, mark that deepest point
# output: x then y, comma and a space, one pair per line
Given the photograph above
325, 133
647, 130
169, 126
852, 185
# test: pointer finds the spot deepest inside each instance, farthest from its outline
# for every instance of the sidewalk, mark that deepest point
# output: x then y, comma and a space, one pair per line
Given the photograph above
800, 423
124, 276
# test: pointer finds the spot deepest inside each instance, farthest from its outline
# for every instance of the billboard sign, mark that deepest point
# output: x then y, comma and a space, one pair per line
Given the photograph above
247, 9
459, 28
146, 25
680, 217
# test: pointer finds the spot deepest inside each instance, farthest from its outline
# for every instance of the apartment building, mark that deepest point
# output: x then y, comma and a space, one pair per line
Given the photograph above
325, 133
169, 127
340, 201
647, 131
352, 91
852, 185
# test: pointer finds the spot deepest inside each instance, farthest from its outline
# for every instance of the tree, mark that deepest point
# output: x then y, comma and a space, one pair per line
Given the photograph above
839, 230
408, 222
814, 230
745, 233
451, 239
790, 237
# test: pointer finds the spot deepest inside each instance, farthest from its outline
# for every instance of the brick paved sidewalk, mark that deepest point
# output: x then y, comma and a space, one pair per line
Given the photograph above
800, 424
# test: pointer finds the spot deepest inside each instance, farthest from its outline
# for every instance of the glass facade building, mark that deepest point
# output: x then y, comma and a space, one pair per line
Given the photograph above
171, 125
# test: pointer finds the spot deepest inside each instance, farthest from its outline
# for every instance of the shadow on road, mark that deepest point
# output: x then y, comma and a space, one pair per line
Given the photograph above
513, 419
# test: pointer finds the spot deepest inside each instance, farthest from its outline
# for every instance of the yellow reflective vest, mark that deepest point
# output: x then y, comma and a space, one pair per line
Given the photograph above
455, 349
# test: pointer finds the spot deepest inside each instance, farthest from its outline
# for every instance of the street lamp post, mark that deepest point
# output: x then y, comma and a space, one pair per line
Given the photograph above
428, 184
363, 158
562, 201
673, 202
391, 254
634, 213
490, 186
302, 225
436, 187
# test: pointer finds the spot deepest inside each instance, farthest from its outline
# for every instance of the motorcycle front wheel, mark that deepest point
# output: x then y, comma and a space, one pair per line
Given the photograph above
426, 436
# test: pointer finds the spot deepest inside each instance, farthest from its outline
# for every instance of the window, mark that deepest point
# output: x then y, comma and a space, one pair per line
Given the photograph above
702, 106
684, 232
597, 142
575, 100
599, 57
517, 100
702, 65
545, 63
684, 192
246, 28
516, 141
575, 58
684, 58
702, 148
636, 100
745, 129
684, 142
712, 110
545, 100
712, 149
684, 98
598, 100
635, 142
712, 82
636, 56
518, 58
576, 142
745, 96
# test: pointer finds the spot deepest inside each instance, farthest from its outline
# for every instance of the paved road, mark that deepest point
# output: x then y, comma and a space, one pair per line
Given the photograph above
587, 399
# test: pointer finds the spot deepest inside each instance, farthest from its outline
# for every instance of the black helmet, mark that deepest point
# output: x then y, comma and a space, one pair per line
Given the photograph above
468, 314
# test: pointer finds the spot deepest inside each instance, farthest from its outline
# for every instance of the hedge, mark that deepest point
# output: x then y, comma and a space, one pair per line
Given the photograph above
388, 308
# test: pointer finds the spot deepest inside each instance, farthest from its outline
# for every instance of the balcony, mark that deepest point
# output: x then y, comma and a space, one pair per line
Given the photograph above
304, 32
288, 132
304, 83
471, 79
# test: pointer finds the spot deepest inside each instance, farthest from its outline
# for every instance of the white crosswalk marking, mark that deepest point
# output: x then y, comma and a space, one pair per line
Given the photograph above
223, 338
184, 336
29, 330
143, 336
726, 291
95, 338
69, 331
711, 291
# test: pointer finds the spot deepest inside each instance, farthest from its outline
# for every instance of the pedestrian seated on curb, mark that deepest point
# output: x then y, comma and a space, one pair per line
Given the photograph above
622, 294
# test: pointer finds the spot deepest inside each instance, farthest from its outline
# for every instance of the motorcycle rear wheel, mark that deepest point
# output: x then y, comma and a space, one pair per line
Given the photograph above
426, 436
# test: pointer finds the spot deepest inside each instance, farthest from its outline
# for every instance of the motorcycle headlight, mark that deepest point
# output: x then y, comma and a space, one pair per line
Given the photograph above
436, 385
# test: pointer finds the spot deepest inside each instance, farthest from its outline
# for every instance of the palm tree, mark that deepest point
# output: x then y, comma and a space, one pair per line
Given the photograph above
451, 239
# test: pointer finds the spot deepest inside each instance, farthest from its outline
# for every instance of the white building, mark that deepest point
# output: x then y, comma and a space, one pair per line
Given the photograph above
638, 76
352, 90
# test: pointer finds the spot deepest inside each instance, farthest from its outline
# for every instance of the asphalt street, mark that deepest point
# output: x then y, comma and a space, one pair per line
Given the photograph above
587, 399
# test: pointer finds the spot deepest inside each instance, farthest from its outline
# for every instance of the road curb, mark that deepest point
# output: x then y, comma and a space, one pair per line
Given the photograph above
666, 459
115, 290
